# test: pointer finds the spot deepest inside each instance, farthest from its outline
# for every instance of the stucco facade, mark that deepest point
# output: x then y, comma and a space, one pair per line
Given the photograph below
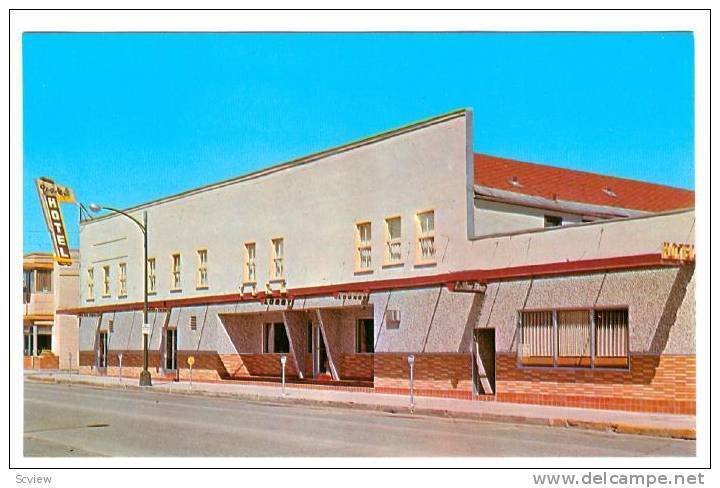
342, 310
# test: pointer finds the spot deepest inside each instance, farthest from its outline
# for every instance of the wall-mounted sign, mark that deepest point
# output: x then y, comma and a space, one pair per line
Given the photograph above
358, 296
278, 302
469, 287
678, 252
51, 195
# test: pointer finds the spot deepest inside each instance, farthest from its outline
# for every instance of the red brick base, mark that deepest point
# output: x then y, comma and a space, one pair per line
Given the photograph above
663, 384
44, 361
435, 374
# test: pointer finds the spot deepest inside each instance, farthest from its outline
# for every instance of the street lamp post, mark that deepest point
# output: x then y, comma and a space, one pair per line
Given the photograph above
145, 379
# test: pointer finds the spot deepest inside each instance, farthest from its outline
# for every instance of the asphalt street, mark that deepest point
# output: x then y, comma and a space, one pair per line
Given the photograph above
64, 420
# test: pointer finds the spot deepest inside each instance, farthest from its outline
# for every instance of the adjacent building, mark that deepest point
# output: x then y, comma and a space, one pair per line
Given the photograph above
504, 280
50, 340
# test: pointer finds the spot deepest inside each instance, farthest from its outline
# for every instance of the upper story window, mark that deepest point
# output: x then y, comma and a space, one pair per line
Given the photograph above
122, 279
553, 221
202, 277
574, 338
277, 269
393, 251
43, 281
90, 284
175, 272
106, 281
151, 275
249, 268
364, 246
426, 236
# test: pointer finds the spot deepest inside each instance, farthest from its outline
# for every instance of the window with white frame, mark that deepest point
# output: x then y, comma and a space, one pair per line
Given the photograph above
565, 338
364, 246
175, 271
393, 251
90, 284
249, 268
202, 276
277, 265
151, 275
106, 281
426, 236
122, 279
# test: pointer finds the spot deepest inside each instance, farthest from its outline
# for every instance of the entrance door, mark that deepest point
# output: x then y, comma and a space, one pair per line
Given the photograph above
170, 349
102, 354
484, 361
320, 359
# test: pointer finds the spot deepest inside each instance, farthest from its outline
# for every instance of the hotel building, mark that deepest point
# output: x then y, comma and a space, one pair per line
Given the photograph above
507, 281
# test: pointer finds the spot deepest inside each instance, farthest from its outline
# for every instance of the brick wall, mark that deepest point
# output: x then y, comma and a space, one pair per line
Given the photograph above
239, 365
653, 383
436, 374
356, 366
44, 361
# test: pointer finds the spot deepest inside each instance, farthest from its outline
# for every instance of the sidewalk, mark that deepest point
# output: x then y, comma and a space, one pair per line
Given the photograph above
663, 425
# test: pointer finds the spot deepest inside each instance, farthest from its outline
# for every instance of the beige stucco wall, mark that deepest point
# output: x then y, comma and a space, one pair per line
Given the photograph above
65, 342
496, 218
431, 320
314, 207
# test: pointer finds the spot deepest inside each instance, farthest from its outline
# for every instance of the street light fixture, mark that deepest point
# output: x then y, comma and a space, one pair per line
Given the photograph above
145, 379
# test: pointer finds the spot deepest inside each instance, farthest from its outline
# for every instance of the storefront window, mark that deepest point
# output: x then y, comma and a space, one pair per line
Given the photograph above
365, 336
275, 339
565, 338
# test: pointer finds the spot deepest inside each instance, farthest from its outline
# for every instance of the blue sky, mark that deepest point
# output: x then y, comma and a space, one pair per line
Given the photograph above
126, 118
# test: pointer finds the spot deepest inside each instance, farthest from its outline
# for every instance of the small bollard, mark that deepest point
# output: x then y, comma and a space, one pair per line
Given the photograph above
283, 360
411, 363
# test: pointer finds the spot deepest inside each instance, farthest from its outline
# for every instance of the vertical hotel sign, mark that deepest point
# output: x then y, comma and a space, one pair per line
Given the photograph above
51, 195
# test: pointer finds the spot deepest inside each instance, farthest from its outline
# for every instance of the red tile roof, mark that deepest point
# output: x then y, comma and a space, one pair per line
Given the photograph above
578, 186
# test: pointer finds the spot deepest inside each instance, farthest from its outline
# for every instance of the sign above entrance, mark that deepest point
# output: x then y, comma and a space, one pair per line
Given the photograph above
469, 287
278, 302
678, 252
356, 296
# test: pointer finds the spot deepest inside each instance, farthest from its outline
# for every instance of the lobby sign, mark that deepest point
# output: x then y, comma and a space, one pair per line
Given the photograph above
51, 195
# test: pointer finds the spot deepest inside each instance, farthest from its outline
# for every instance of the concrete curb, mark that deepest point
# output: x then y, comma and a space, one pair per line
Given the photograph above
617, 427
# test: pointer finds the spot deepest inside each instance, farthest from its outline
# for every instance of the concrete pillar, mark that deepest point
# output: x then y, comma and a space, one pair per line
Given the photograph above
35, 339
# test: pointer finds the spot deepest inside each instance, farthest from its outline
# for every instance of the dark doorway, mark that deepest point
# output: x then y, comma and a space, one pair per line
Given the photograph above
102, 350
320, 359
484, 361
170, 349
